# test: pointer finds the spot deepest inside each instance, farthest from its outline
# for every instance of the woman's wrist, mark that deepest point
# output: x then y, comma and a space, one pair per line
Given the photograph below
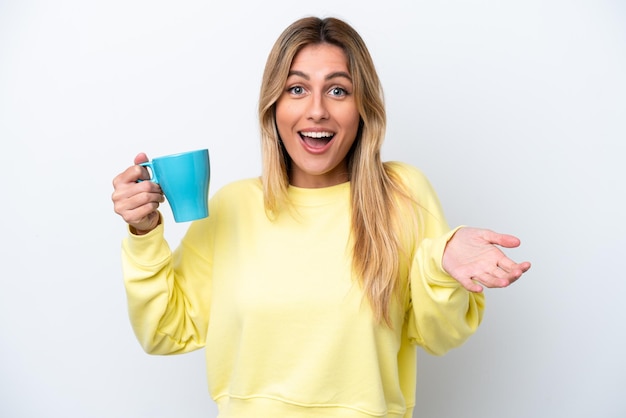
155, 220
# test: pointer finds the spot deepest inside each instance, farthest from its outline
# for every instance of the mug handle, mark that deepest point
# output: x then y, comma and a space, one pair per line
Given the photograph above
153, 177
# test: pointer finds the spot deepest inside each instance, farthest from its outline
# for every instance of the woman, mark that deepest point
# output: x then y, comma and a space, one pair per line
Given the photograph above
311, 286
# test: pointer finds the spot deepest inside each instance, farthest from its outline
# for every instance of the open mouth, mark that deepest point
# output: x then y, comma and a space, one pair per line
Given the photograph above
316, 139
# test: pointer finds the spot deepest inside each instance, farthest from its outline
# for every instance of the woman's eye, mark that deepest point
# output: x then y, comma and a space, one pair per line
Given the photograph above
297, 90
338, 91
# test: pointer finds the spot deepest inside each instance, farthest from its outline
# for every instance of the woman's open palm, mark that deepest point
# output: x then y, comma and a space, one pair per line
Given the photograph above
474, 259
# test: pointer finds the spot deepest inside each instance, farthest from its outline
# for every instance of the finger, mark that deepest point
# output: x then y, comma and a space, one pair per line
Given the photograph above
130, 196
141, 158
140, 172
503, 277
135, 200
471, 285
507, 264
510, 266
125, 187
131, 175
137, 214
503, 240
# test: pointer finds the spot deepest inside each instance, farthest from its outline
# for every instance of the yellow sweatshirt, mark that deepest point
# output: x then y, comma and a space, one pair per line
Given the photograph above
286, 328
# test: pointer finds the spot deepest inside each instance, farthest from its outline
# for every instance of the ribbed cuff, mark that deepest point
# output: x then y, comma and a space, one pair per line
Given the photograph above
435, 272
148, 249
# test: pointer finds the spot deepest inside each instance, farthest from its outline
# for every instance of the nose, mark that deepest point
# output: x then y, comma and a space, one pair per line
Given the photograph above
318, 109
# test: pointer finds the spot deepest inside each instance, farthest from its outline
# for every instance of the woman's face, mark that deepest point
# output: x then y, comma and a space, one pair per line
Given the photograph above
317, 117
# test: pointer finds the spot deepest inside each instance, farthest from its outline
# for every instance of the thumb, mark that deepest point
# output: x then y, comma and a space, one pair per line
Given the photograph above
503, 240
141, 158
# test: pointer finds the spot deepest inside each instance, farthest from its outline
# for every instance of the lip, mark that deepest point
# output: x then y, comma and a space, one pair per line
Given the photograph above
316, 150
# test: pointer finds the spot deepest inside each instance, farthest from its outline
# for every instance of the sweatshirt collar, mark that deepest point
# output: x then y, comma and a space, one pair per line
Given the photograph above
319, 196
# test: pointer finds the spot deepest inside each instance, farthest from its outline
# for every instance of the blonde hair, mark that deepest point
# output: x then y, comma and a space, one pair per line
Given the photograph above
376, 248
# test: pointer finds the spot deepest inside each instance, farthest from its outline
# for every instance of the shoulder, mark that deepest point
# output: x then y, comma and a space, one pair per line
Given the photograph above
240, 188
228, 204
239, 192
410, 182
408, 177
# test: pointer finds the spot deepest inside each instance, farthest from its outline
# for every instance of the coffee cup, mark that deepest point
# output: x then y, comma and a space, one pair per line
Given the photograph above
184, 179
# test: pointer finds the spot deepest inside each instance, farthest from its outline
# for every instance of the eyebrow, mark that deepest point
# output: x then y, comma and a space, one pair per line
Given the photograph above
330, 76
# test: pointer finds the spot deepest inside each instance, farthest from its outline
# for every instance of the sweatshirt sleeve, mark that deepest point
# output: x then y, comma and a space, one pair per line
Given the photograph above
442, 313
168, 293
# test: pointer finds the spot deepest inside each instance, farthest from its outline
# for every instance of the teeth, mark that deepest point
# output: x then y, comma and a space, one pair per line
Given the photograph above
317, 134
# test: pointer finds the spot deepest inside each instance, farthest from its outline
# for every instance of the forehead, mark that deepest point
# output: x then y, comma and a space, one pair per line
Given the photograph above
320, 56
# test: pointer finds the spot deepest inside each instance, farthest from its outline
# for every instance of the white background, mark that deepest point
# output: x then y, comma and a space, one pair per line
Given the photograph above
516, 111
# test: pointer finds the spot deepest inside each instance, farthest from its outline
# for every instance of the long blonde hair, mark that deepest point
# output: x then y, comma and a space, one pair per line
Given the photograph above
376, 248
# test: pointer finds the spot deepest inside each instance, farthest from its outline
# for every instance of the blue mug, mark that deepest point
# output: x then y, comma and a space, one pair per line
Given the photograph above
184, 179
